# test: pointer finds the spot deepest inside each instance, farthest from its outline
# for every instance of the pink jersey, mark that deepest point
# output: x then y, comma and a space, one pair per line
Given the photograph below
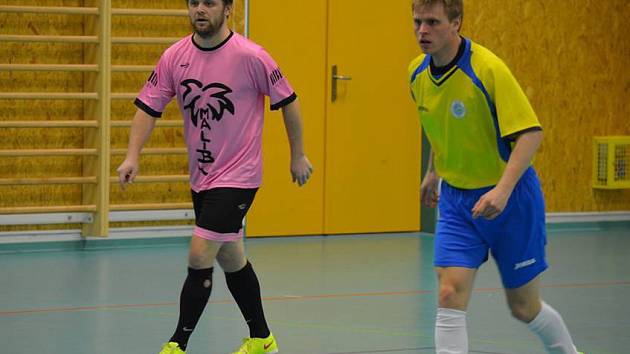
220, 92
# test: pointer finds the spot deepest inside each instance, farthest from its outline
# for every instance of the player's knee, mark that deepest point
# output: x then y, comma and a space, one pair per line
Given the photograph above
224, 259
198, 259
522, 311
231, 262
448, 297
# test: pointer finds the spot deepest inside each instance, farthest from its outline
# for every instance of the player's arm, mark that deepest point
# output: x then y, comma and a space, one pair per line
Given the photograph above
141, 128
429, 187
526, 146
301, 168
492, 203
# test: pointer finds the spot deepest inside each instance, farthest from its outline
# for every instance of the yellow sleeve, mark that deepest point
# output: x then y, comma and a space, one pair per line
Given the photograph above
513, 109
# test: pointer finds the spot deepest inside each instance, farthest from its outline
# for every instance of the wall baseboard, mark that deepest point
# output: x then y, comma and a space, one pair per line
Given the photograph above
609, 216
14, 241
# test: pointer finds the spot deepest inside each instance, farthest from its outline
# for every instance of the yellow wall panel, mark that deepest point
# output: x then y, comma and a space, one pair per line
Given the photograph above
372, 132
572, 59
294, 33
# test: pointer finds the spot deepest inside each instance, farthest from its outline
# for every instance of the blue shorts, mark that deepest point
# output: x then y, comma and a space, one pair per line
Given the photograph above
516, 237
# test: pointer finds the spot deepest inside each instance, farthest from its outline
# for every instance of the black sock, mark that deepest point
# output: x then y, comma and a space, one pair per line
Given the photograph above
245, 289
192, 301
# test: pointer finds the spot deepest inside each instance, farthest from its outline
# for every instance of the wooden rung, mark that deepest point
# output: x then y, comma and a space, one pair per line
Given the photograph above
49, 67
123, 96
48, 152
49, 95
48, 209
132, 68
57, 39
155, 179
150, 206
53, 180
50, 10
154, 151
149, 12
169, 123
49, 124
158, 123
144, 40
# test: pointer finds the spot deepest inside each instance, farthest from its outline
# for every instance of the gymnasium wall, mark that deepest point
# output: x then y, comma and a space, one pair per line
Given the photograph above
572, 59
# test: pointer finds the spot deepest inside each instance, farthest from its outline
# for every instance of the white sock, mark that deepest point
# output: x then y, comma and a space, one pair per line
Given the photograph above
550, 327
451, 336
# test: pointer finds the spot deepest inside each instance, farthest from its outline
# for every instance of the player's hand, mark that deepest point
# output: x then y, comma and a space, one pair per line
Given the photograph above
491, 204
301, 170
429, 190
127, 172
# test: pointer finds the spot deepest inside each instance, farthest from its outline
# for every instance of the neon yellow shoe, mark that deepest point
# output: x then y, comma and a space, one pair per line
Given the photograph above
258, 346
171, 348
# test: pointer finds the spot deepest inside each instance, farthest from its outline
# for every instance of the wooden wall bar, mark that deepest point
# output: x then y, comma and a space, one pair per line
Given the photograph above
28, 81
123, 80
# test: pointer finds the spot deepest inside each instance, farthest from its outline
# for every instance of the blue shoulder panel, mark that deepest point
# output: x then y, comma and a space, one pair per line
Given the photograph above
425, 64
466, 66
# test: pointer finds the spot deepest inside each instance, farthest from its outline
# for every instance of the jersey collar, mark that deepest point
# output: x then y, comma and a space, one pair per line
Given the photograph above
212, 48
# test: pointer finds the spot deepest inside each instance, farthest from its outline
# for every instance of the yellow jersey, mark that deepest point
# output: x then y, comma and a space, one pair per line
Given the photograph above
470, 114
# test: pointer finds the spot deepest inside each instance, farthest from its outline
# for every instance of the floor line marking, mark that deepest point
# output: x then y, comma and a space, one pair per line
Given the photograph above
297, 298
405, 350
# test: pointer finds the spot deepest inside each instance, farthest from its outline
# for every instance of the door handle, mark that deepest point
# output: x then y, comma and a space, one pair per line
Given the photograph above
335, 77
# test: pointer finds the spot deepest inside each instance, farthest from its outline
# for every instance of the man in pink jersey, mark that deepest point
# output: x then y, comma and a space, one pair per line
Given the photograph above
219, 79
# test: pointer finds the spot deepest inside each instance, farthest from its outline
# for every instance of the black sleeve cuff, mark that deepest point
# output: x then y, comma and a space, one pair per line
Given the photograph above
148, 110
513, 136
284, 102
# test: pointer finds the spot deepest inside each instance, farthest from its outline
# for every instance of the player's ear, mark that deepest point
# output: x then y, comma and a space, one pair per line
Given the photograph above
457, 24
228, 10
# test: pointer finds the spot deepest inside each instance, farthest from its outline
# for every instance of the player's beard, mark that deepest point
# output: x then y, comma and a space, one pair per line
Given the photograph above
210, 30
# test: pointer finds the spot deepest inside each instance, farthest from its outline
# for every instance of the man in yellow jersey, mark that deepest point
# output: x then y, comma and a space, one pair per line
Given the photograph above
483, 134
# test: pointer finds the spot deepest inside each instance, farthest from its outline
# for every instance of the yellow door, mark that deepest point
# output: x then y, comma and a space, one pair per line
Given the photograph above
372, 134
365, 146
294, 33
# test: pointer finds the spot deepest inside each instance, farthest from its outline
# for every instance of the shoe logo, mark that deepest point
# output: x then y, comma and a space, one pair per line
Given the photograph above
185, 65
185, 329
524, 263
242, 206
266, 346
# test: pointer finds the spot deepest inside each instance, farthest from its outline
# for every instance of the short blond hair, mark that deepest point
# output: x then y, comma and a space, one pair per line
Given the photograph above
454, 8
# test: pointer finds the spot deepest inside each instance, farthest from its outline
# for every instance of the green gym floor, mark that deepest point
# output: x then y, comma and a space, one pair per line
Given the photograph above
322, 295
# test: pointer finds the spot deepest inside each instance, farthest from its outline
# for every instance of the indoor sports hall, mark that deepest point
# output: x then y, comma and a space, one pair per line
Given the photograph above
346, 261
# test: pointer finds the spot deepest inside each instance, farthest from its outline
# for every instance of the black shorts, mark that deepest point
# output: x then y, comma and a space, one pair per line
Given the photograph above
219, 212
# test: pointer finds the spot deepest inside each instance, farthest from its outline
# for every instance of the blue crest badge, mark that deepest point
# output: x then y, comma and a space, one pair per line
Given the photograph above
458, 109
